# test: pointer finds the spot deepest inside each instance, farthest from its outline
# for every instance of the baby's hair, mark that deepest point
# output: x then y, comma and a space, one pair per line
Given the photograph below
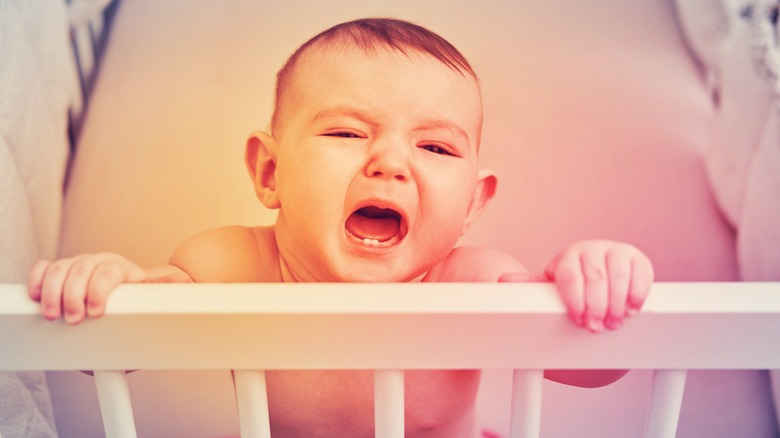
370, 34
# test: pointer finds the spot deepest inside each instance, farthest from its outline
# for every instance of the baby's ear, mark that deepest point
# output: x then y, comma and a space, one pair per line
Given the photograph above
483, 192
261, 165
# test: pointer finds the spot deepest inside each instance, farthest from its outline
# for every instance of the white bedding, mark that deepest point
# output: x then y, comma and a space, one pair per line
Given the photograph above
36, 88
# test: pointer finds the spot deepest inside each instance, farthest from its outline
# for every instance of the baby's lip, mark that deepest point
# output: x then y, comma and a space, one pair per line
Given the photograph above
376, 224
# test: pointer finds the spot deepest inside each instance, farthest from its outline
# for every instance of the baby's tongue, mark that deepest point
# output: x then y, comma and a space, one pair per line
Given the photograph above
373, 223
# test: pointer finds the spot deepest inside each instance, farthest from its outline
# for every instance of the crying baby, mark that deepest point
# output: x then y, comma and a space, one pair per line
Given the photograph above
372, 164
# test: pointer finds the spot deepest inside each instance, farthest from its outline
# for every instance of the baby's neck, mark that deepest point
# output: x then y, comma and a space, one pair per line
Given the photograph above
297, 268
288, 275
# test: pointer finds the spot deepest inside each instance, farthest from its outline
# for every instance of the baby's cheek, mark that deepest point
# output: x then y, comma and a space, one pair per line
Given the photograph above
440, 242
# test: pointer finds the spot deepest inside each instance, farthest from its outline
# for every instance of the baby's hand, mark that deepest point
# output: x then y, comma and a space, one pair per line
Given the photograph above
601, 282
79, 286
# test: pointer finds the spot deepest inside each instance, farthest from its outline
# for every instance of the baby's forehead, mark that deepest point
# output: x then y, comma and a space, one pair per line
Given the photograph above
316, 57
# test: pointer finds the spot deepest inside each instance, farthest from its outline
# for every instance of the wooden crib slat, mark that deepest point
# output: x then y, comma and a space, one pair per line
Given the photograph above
252, 400
389, 404
665, 402
526, 403
115, 405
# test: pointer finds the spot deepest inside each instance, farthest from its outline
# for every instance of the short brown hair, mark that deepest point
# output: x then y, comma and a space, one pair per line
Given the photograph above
370, 34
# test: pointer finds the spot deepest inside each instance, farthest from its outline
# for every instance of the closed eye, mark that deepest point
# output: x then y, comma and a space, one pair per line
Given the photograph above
342, 134
436, 149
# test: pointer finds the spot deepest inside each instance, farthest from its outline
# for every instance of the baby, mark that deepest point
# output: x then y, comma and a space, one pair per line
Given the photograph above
371, 160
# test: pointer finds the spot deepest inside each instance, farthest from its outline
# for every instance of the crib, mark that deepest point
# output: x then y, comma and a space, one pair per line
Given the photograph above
190, 72
391, 328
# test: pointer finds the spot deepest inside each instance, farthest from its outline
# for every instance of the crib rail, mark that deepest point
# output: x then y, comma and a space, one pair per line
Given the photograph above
250, 328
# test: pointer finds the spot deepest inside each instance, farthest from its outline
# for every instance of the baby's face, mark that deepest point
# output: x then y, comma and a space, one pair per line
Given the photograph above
376, 164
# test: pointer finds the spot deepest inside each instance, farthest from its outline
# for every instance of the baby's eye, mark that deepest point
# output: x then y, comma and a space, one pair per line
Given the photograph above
435, 149
342, 134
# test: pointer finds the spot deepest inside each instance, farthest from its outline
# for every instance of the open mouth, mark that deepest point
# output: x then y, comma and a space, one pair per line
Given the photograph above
376, 227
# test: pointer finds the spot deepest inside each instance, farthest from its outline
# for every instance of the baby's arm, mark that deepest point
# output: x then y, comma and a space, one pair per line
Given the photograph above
471, 264
77, 287
600, 282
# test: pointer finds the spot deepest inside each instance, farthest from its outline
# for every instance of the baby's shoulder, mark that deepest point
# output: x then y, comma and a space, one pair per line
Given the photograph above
474, 264
230, 254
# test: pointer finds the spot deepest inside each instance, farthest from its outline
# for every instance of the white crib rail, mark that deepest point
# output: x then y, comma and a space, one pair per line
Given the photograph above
391, 327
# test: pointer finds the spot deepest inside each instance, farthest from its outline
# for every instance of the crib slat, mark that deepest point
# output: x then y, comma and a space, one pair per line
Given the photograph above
389, 404
115, 405
665, 403
252, 400
526, 403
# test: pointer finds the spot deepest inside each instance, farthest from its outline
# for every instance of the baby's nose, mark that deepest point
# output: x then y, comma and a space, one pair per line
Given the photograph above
389, 163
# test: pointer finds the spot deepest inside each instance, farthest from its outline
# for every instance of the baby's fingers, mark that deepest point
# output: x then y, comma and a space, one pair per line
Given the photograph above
619, 271
568, 277
52, 287
35, 279
596, 288
107, 276
74, 291
641, 279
